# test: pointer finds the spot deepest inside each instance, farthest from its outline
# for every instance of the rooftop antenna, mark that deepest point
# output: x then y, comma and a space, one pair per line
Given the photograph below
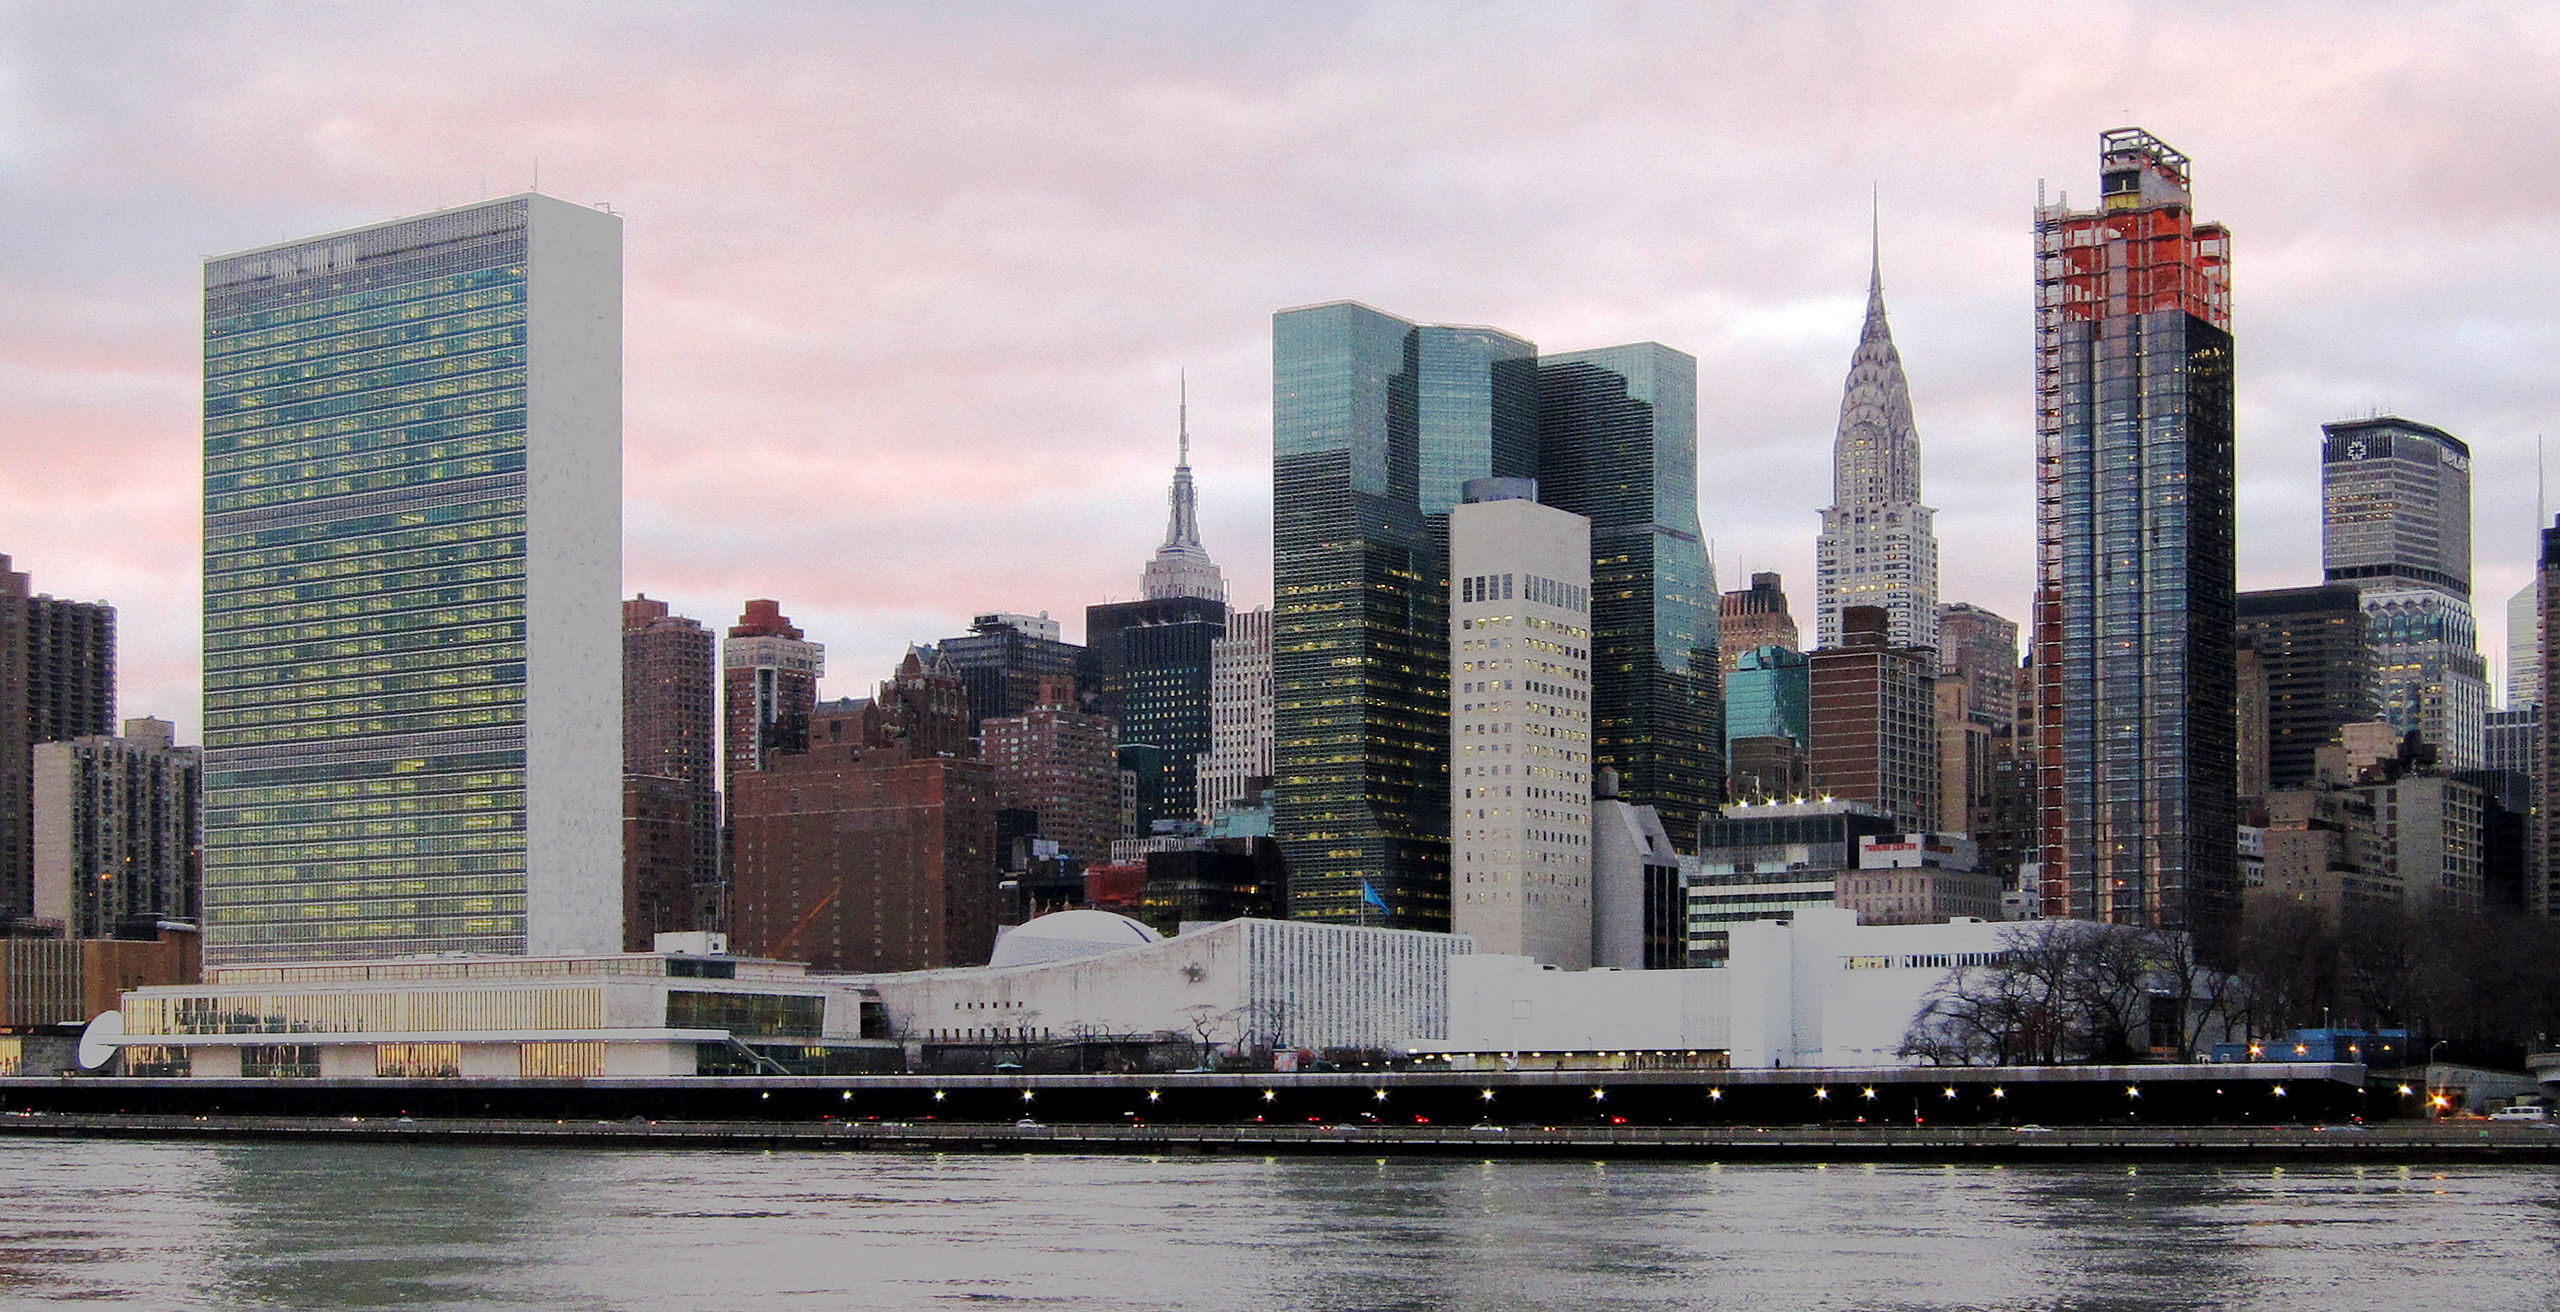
1875, 235
1182, 380
2539, 518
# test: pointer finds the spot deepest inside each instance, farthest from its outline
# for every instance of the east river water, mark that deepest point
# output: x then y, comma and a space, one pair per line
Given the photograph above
360, 1226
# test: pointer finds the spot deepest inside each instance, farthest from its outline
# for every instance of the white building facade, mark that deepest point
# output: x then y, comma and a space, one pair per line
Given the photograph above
625, 1014
1520, 724
1821, 991
1240, 713
1250, 983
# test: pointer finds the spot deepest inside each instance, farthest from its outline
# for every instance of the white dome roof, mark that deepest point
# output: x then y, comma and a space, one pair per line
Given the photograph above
1066, 935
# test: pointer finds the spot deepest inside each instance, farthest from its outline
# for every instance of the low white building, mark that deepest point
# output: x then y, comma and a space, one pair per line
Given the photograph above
1820, 991
1255, 983
1828, 991
624, 1014
1514, 1007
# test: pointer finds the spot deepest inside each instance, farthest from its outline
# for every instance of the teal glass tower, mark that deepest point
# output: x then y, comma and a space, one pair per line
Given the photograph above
1769, 694
1618, 435
1377, 424
412, 574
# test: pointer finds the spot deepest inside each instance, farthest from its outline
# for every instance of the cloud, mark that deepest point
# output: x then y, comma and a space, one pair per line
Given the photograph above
908, 287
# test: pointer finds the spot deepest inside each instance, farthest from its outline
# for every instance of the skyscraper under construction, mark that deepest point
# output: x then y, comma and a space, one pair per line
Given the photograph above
2133, 629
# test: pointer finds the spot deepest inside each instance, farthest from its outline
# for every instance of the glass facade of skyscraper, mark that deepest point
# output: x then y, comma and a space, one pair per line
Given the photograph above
2395, 521
1477, 413
1376, 425
1618, 444
368, 590
1769, 695
2136, 696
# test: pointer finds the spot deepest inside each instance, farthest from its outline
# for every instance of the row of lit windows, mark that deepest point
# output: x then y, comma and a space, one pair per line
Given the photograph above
388, 829
379, 710
335, 885
492, 674
389, 591
301, 909
421, 322
483, 844
254, 339
327, 729
449, 448
240, 871
489, 539
369, 1012
233, 819
390, 480
468, 581
345, 370
490, 376
503, 408
344, 941
354, 440
417, 776
254, 662
387, 529
494, 685
351, 619
405, 663
404, 777
391, 385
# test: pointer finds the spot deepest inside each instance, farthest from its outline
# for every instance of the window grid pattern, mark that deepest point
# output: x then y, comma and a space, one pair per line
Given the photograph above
365, 592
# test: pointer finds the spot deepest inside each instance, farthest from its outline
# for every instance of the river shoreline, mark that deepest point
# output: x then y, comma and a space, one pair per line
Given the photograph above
2393, 1143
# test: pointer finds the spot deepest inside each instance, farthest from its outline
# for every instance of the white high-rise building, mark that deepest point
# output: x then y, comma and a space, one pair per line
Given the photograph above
1878, 545
2524, 646
1520, 724
1240, 714
412, 586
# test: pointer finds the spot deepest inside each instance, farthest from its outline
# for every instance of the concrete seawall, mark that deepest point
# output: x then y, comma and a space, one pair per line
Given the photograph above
2407, 1143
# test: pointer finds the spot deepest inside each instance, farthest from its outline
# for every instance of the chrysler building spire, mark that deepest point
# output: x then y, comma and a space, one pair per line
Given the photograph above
1182, 567
1877, 546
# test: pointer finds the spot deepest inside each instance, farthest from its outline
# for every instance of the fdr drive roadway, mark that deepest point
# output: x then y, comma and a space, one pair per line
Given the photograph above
2281, 1110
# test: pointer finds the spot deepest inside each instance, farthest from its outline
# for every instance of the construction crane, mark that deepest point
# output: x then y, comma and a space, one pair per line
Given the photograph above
781, 948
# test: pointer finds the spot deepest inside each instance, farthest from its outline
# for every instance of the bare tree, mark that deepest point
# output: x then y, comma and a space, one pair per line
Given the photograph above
1206, 1023
2066, 991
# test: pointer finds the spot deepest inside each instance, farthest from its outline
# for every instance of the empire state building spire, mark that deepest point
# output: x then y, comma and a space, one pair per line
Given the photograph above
1182, 567
1878, 546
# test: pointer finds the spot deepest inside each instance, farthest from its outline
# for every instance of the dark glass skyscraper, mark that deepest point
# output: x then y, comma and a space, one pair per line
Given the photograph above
1005, 660
1618, 444
2135, 688
1377, 423
1151, 657
2319, 671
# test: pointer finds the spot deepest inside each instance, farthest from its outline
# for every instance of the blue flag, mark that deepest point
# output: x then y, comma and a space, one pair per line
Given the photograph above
1369, 894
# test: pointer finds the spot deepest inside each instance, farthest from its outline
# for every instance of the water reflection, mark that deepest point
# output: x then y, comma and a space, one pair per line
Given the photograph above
294, 1226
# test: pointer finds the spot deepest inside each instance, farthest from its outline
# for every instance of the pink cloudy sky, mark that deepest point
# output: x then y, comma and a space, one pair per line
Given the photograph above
909, 287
